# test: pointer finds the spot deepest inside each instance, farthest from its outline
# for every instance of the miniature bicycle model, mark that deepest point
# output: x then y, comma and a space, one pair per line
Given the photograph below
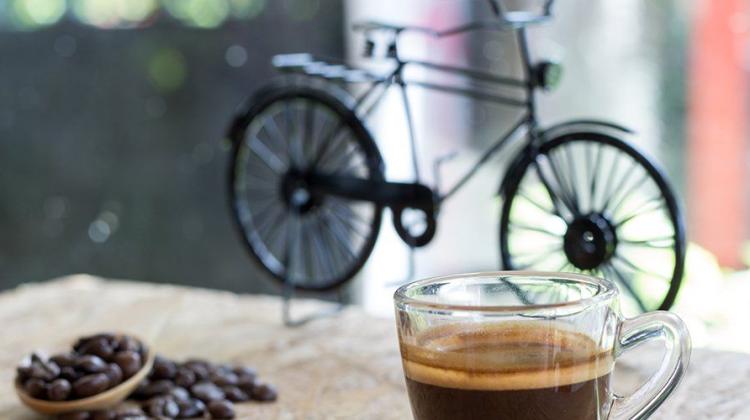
307, 185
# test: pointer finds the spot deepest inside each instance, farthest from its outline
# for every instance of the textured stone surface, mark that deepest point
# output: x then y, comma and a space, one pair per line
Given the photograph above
341, 367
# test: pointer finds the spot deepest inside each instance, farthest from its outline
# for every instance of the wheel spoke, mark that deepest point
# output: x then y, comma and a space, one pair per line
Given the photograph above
272, 128
573, 177
277, 238
348, 216
326, 251
309, 128
620, 184
648, 207
517, 291
324, 128
290, 133
351, 163
308, 261
267, 156
261, 175
340, 236
626, 262
258, 181
265, 229
530, 264
340, 161
535, 261
337, 257
564, 194
263, 197
595, 177
327, 141
556, 201
610, 176
318, 251
588, 174
337, 143
622, 199
564, 264
536, 204
627, 285
666, 242
260, 216
524, 226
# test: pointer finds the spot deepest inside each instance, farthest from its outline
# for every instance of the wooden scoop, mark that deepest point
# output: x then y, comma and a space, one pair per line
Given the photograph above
104, 400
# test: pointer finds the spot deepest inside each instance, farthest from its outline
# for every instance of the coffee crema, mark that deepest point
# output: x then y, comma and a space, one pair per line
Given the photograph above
518, 370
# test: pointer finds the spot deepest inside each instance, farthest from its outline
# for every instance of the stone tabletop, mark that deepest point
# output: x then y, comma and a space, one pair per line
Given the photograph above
340, 367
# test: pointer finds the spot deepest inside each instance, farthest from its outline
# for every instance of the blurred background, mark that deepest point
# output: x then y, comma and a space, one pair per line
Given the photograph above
113, 115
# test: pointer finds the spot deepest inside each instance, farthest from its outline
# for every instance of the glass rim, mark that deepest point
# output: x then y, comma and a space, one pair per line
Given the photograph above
606, 291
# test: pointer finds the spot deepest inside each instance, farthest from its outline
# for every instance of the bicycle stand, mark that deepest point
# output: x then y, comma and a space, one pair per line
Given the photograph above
286, 309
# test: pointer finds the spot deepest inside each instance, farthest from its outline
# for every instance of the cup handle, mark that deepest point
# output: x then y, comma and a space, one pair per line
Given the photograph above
633, 332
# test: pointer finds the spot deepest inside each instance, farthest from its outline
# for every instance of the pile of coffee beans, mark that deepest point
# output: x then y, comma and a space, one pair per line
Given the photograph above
191, 389
197, 387
96, 364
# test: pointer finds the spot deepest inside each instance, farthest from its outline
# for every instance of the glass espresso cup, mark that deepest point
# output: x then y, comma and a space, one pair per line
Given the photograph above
527, 345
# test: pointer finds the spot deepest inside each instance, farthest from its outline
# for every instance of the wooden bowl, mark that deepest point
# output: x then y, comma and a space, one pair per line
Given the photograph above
101, 401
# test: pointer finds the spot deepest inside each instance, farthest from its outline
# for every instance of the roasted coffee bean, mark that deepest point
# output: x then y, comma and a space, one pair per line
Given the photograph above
91, 363
140, 391
81, 342
199, 368
133, 413
132, 416
64, 359
235, 394
35, 387
162, 406
264, 392
179, 394
90, 385
184, 377
245, 372
160, 387
207, 392
114, 373
129, 361
221, 409
103, 415
224, 367
247, 383
171, 409
192, 408
99, 346
44, 370
59, 390
78, 415
70, 374
23, 373
224, 378
127, 343
163, 368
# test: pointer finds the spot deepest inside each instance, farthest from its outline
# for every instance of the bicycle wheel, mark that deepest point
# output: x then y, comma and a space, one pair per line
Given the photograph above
589, 202
313, 241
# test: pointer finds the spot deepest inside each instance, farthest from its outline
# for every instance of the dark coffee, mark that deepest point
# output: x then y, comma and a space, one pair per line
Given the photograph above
506, 371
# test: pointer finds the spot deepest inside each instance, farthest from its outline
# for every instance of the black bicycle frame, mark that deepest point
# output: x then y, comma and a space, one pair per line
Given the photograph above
416, 195
373, 95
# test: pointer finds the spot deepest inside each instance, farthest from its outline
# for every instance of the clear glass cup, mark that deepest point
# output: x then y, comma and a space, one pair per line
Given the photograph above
528, 345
